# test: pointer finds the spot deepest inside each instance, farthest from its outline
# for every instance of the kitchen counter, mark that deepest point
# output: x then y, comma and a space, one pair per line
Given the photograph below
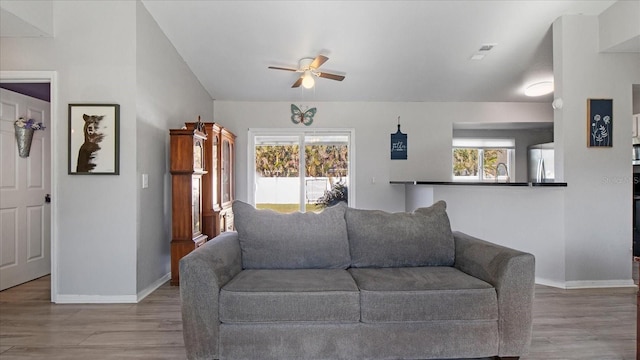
480, 183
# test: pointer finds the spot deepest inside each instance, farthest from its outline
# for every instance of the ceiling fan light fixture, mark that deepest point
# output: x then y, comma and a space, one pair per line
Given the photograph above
307, 80
539, 89
309, 69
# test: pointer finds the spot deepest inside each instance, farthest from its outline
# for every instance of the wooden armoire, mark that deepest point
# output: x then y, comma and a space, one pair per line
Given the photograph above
206, 207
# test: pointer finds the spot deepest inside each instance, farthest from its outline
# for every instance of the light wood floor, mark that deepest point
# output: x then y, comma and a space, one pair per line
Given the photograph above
568, 324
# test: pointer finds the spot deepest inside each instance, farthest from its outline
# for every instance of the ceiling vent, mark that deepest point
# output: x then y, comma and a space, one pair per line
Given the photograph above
486, 47
482, 52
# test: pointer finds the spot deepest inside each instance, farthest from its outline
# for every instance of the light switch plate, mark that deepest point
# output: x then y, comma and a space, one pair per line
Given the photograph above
145, 181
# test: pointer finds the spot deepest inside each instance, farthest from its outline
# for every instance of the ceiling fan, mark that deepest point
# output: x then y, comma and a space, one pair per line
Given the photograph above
309, 68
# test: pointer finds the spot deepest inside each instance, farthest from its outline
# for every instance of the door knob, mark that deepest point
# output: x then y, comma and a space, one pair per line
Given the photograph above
47, 198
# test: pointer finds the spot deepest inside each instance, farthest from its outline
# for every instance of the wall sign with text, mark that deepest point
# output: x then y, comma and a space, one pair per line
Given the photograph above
398, 145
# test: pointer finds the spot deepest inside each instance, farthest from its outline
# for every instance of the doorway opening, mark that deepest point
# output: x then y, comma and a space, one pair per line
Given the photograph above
300, 170
29, 242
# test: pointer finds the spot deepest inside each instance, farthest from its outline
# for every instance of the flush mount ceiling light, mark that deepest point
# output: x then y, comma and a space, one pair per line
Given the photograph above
539, 89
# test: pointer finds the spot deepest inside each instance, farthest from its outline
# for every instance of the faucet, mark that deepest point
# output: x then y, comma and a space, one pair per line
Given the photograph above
506, 170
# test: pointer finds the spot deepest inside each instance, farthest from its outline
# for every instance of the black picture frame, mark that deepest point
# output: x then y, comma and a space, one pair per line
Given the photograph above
599, 122
94, 139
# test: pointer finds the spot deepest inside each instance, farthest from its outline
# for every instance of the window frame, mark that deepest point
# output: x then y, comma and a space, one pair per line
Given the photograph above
301, 134
482, 144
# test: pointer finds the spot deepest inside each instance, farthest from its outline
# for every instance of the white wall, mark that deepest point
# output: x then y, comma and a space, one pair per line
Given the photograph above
26, 18
618, 27
581, 235
428, 125
529, 219
598, 199
113, 237
168, 95
96, 245
92, 54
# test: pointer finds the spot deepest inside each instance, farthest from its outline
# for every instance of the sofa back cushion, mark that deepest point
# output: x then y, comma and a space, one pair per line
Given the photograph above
382, 239
271, 240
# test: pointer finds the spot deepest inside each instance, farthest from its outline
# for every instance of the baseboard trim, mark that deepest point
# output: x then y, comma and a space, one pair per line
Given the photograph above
95, 299
153, 287
552, 283
589, 284
585, 284
112, 299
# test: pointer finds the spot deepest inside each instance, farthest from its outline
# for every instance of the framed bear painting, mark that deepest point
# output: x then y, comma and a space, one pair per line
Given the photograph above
94, 139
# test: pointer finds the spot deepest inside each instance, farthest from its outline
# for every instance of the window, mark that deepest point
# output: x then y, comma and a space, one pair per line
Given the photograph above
293, 170
483, 159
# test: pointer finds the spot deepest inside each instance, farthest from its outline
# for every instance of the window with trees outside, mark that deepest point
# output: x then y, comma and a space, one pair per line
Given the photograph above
483, 159
297, 170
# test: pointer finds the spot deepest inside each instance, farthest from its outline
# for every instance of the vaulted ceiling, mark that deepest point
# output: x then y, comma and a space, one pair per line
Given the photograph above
388, 50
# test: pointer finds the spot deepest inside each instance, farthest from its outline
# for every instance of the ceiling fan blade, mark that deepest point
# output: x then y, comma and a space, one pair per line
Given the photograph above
318, 61
297, 83
282, 68
331, 76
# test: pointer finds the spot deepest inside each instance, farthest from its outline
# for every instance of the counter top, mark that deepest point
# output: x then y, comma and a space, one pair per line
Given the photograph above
479, 183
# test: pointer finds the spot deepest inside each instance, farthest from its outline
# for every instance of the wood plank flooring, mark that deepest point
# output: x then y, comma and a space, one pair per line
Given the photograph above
568, 324
31, 327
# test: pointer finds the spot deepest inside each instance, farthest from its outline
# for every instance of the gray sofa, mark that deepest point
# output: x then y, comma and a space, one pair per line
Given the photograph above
354, 284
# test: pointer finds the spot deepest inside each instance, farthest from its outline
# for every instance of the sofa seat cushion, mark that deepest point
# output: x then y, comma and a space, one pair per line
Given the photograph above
271, 240
423, 294
268, 295
381, 239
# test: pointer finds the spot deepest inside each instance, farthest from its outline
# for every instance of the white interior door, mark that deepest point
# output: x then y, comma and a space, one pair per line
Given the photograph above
25, 216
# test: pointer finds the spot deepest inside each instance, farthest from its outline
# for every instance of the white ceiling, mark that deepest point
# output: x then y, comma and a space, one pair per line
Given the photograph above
388, 50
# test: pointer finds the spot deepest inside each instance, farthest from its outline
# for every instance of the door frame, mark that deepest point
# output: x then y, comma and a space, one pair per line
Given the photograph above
252, 132
50, 77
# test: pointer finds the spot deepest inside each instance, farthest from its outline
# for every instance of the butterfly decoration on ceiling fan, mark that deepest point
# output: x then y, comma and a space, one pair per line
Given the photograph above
302, 117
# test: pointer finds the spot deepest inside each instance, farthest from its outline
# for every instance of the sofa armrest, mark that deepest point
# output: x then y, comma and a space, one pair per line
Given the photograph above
512, 273
202, 273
